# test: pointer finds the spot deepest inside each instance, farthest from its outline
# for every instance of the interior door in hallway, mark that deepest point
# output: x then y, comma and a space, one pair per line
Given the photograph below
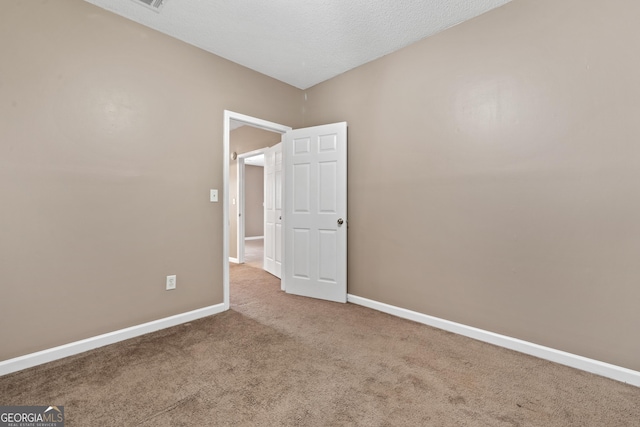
273, 210
315, 212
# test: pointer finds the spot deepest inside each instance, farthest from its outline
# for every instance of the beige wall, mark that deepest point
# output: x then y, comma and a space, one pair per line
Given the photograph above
254, 201
110, 139
244, 140
493, 175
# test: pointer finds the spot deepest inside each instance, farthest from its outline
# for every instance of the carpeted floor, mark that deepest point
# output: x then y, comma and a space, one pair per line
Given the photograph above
276, 359
254, 253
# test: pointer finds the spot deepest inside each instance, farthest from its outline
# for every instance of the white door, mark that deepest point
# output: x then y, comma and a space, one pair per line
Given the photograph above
315, 213
273, 210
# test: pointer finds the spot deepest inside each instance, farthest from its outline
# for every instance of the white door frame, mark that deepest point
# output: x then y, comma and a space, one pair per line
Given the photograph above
241, 199
251, 121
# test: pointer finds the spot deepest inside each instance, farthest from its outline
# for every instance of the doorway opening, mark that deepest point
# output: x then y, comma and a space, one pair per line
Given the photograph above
232, 123
250, 195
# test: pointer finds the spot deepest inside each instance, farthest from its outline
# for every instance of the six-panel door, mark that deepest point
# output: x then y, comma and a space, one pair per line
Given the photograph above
315, 212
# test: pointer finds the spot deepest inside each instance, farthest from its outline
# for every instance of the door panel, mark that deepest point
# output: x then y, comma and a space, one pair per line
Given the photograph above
273, 210
316, 212
277, 253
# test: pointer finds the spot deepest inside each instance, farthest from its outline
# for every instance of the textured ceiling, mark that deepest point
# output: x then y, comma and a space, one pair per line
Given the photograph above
301, 42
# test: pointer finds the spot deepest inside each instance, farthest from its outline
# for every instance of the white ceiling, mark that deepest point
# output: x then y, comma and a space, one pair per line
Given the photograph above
301, 42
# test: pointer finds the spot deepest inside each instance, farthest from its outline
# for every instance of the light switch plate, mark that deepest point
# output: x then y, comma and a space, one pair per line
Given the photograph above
171, 282
213, 195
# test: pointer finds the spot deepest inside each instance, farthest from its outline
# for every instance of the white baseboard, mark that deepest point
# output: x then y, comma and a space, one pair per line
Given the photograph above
608, 370
254, 238
234, 260
55, 353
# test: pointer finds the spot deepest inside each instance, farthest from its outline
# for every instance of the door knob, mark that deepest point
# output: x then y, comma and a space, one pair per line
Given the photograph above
340, 221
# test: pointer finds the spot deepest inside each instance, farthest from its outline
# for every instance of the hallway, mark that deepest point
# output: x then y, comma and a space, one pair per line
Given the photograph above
254, 253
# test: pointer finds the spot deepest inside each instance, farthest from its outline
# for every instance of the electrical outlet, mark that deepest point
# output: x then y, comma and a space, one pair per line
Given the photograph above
171, 282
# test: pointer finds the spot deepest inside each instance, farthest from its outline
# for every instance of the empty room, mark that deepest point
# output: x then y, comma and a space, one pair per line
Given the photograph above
449, 234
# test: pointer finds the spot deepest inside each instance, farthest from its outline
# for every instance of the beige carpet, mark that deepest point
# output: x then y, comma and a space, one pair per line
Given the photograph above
276, 359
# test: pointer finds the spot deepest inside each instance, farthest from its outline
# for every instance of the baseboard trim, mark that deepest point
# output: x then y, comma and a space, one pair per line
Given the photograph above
234, 260
608, 370
254, 238
55, 353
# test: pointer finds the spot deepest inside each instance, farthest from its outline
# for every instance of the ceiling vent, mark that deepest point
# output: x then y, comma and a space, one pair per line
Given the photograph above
151, 4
